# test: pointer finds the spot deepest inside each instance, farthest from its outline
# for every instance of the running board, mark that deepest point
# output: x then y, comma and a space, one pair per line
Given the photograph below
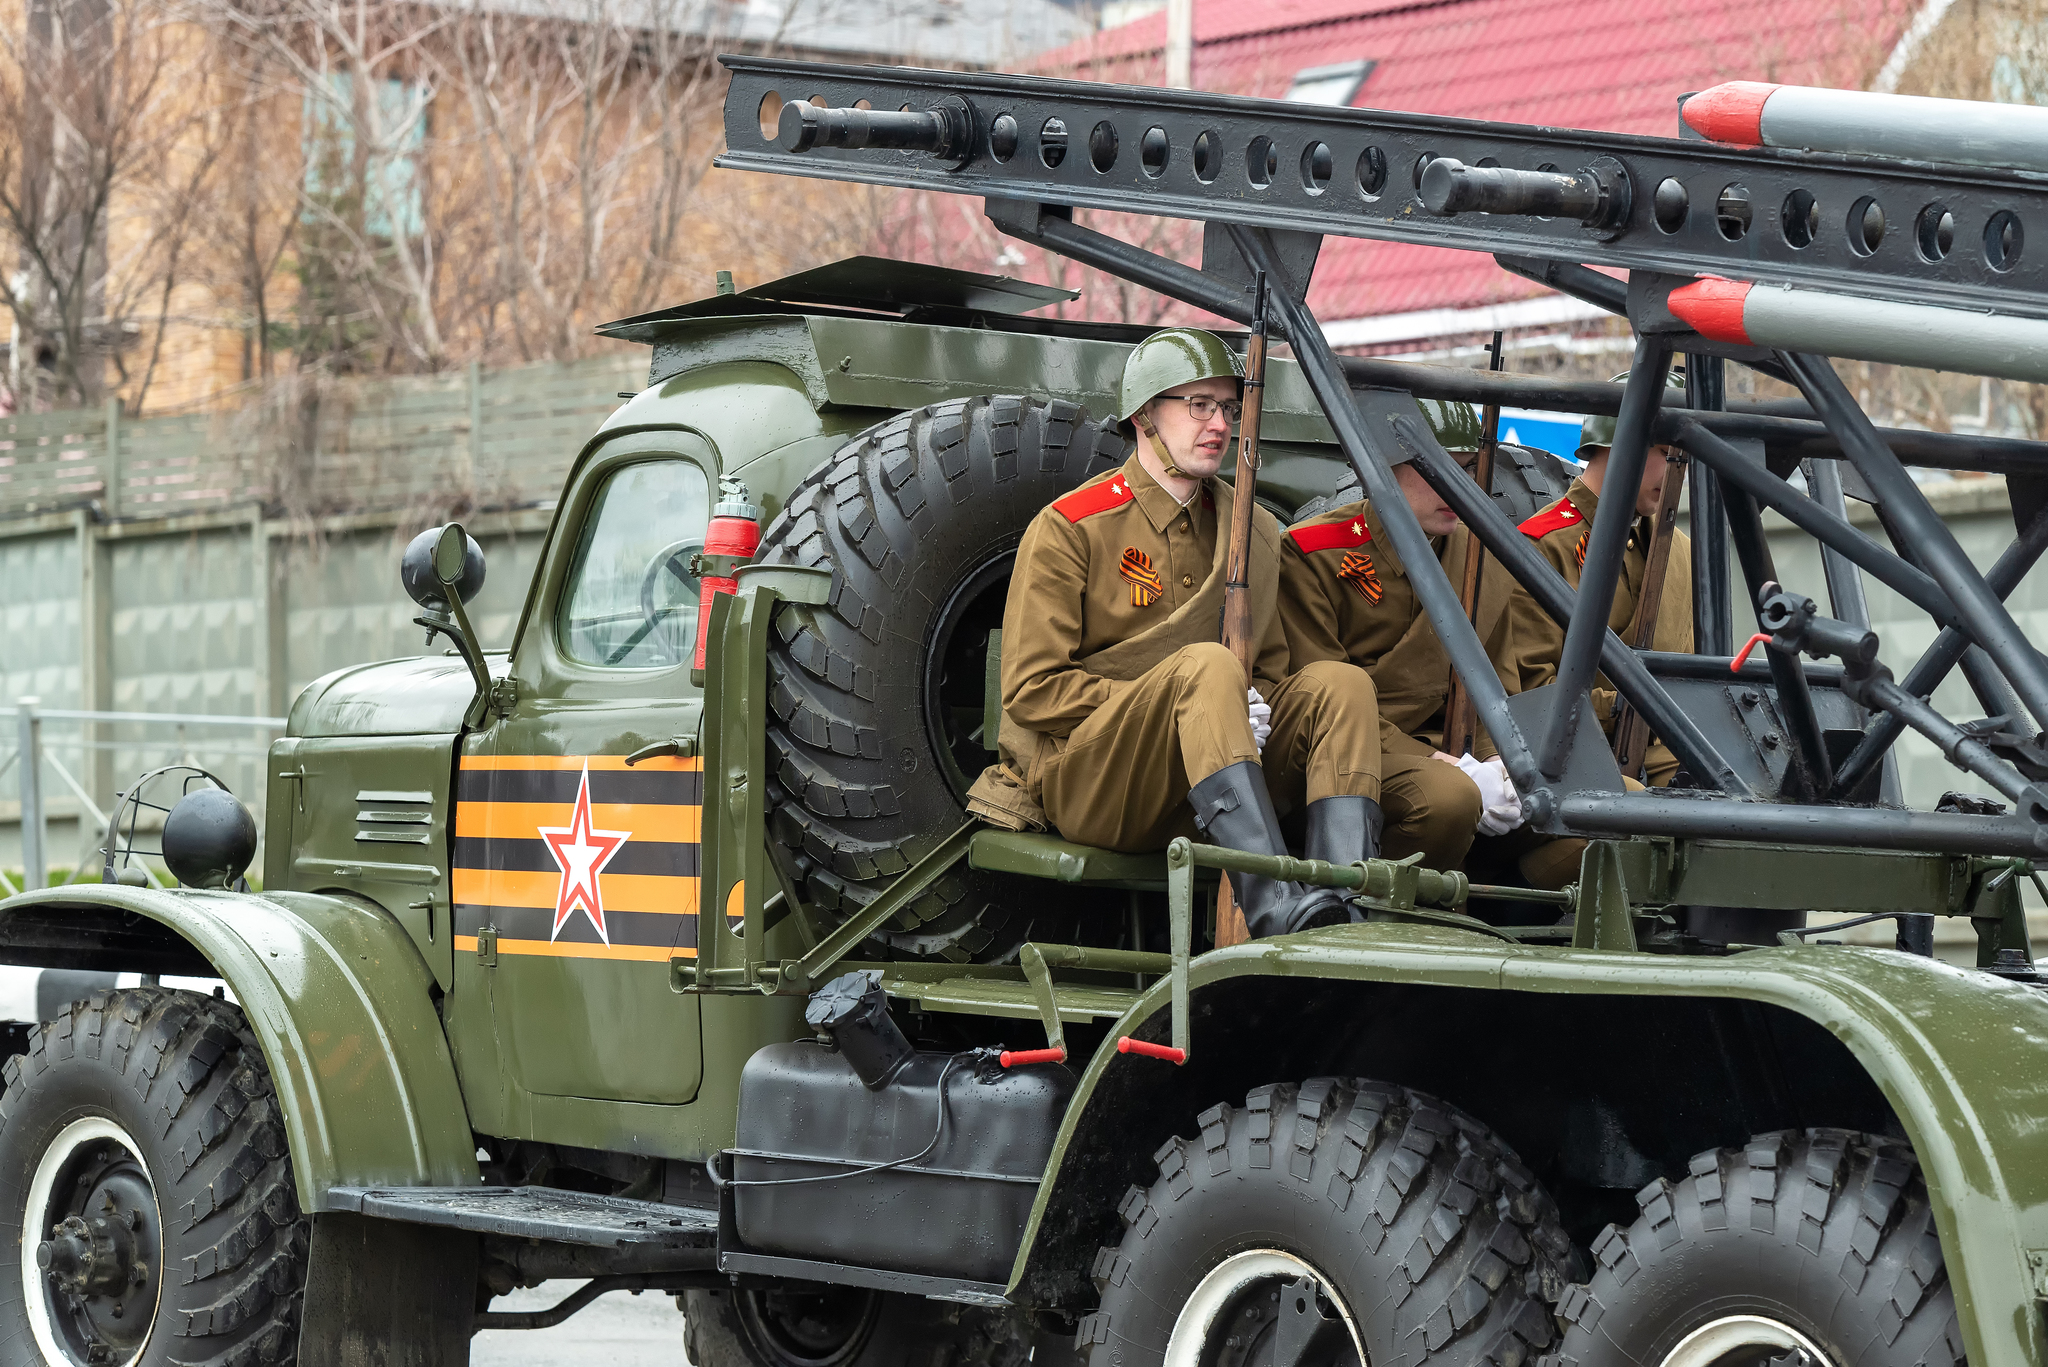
545, 1213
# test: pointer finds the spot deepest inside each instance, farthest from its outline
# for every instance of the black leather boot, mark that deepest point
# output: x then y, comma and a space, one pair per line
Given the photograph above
1233, 808
1343, 830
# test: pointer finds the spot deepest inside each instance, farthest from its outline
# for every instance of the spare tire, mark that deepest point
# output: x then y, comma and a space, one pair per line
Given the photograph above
877, 696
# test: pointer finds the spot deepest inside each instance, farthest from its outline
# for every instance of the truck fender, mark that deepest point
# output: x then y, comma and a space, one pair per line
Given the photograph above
338, 998
1955, 1054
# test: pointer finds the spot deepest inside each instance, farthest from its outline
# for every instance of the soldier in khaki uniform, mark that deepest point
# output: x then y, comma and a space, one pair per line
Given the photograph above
1561, 532
1122, 711
1345, 595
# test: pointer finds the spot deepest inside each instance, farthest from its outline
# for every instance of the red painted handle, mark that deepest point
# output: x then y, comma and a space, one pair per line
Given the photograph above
1735, 665
1127, 1045
1017, 1058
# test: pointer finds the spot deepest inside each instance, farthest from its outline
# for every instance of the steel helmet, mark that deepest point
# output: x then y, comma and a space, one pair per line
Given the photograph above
1599, 430
1176, 356
1456, 424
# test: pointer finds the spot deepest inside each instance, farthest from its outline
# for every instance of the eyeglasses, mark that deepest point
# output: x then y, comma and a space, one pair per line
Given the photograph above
1202, 408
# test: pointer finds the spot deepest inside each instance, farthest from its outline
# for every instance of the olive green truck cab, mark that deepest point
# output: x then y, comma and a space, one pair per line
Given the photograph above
584, 960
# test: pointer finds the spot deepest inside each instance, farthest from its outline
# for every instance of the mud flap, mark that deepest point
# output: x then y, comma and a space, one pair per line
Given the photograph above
384, 1294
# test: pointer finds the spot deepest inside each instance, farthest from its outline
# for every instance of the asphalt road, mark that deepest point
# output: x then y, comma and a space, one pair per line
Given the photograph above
619, 1330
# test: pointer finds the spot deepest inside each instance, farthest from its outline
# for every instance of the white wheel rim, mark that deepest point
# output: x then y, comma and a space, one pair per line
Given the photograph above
1714, 1341
1229, 1278
35, 1220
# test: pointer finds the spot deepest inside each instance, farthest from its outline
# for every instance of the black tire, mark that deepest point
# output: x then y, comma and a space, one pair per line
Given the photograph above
1525, 480
794, 1325
1424, 1226
1826, 1232
160, 1100
877, 696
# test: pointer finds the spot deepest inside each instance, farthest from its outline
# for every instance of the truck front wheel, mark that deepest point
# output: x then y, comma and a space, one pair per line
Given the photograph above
1328, 1224
147, 1213
1816, 1247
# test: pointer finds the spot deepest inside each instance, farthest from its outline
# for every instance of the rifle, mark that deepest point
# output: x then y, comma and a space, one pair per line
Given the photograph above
1631, 732
1237, 605
1237, 600
1460, 722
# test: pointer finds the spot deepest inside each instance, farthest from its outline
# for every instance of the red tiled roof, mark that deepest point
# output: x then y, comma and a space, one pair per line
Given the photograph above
1615, 65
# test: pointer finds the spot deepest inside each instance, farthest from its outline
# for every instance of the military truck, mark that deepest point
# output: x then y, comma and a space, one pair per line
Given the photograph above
603, 958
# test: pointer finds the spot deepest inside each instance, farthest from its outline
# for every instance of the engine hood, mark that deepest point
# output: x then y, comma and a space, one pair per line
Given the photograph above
421, 695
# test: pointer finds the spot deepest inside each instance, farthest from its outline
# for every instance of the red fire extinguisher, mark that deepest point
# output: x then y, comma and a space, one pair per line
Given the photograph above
729, 542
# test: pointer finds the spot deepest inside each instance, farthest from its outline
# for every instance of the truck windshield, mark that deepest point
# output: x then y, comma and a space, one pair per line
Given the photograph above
631, 601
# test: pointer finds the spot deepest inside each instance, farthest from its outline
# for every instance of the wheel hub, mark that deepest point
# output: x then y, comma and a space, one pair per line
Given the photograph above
95, 1279
795, 1327
1264, 1308
1746, 1341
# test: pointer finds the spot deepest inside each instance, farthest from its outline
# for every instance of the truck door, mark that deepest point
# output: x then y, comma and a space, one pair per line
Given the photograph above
576, 873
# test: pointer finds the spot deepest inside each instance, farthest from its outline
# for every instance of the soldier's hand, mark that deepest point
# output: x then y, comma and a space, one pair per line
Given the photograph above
1262, 718
1500, 806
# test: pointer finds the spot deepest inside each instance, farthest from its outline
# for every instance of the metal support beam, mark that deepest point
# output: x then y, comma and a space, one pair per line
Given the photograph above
1750, 484
1788, 823
1846, 599
1607, 543
1928, 672
28, 765
1713, 618
1984, 615
1810, 772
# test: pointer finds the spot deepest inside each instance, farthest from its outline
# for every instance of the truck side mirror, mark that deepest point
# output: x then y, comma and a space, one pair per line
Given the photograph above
442, 569
440, 559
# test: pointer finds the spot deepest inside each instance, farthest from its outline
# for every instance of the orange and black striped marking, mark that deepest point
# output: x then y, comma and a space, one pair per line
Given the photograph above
578, 856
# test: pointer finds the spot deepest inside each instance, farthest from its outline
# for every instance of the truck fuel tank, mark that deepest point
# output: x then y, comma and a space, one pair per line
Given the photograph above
932, 1171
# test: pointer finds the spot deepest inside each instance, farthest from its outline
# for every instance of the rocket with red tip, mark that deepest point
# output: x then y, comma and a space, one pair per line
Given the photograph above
1862, 329
1908, 127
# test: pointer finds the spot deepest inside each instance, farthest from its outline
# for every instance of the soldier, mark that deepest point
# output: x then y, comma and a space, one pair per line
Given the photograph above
1121, 710
1561, 531
1347, 596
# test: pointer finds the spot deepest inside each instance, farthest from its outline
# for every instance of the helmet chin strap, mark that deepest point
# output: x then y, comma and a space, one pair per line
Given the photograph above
1151, 433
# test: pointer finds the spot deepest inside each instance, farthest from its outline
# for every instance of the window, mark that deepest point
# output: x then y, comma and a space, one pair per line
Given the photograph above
630, 602
1336, 84
393, 132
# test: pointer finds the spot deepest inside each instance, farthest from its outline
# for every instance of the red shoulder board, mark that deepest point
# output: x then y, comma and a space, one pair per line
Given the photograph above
1331, 536
1550, 519
1090, 499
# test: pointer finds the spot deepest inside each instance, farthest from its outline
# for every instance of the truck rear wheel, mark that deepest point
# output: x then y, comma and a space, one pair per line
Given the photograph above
799, 1325
1336, 1222
877, 697
147, 1213
1816, 1247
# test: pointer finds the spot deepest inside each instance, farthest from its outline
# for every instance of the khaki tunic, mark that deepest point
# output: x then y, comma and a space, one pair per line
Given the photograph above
1539, 641
1345, 595
1117, 698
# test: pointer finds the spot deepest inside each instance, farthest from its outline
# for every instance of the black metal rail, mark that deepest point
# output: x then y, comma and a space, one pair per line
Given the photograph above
1272, 176
1657, 204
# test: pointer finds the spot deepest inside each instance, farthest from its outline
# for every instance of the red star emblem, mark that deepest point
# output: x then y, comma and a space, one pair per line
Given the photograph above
582, 853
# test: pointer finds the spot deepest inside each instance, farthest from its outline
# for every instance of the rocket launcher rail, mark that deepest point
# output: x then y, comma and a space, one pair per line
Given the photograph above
1810, 219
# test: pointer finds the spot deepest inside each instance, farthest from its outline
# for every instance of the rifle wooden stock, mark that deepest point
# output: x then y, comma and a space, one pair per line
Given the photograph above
1461, 721
1631, 732
1237, 604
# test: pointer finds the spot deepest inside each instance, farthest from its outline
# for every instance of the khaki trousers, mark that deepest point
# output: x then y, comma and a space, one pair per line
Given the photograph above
1122, 780
1430, 806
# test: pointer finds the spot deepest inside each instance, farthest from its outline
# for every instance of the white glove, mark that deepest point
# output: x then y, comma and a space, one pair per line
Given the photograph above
1262, 719
1500, 805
